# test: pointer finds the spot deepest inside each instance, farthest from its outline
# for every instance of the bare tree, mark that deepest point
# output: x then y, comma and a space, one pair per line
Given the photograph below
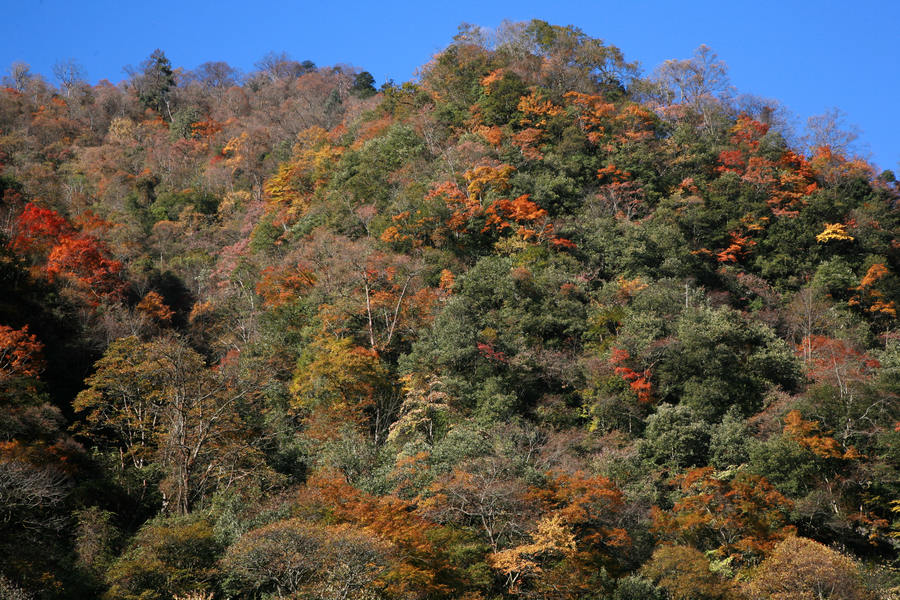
70, 74
19, 75
831, 129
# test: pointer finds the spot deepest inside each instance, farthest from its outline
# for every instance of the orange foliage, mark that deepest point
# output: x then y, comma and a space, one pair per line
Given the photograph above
796, 181
280, 286
419, 569
153, 306
737, 249
468, 214
833, 167
20, 353
748, 132
521, 210
592, 114
535, 112
868, 294
787, 182
493, 135
807, 434
588, 504
372, 129
744, 517
528, 141
81, 260
490, 79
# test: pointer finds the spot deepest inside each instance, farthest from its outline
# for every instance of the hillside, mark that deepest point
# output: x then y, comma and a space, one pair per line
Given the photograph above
535, 325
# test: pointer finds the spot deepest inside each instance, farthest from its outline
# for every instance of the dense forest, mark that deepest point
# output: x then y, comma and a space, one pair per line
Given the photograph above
536, 325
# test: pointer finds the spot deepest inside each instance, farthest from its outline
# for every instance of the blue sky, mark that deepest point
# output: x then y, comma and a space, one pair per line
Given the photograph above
811, 56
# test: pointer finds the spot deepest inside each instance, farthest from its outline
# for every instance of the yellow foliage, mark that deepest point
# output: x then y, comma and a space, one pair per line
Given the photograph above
338, 377
834, 232
480, 178
535, 112
553, 536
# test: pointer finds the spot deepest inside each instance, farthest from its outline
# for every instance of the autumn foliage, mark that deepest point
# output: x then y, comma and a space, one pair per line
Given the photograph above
536, 325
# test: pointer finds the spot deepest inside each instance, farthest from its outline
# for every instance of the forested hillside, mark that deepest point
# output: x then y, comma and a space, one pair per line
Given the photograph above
537, 325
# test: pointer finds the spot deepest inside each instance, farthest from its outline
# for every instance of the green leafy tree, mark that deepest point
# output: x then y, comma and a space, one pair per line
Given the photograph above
364, 85
167, 557
154, 83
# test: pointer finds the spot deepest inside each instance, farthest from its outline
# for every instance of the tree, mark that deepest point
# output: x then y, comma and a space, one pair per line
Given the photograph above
801, 569
38, 229
155, 82
419, 566
694, 79
698, 82
217, 75
69, 73
20, 354
831, 129
19, 75
345, 382
721, 360
552, 537
82, 261
158, 403
685, 574
364, 85
484, 494
675, 437
741, 518
278, 66
294, 557
167, 556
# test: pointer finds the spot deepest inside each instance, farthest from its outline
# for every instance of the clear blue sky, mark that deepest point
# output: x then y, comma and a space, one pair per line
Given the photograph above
811, 56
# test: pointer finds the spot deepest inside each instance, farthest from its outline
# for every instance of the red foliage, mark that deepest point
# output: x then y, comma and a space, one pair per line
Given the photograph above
82, 260
38, 229
639, 382
487, 350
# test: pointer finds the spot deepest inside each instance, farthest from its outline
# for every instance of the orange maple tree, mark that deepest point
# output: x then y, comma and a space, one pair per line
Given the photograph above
743, 517
20, 353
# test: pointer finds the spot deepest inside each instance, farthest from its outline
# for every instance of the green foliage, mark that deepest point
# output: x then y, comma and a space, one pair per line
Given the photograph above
635, 587
728, 444
721, 360
167, 557
501, 99
168, 206
363, 85
155, 82
182, 123
675, 437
